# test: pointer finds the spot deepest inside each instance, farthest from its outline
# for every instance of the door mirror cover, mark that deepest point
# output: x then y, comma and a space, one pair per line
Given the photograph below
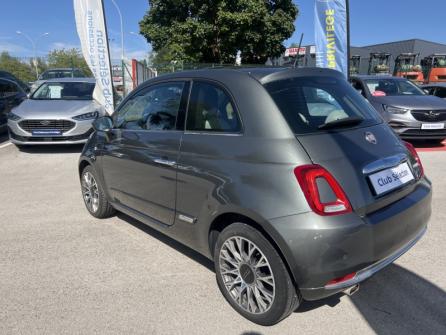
103, 123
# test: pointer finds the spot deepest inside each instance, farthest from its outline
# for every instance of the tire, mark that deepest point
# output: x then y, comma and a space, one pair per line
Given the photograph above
94, 196
263, 294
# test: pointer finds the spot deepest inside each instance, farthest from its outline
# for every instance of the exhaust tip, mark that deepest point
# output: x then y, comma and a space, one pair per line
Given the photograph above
351, 290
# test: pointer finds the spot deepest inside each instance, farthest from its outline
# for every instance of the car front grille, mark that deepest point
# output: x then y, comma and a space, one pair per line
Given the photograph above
429, 115
62, 125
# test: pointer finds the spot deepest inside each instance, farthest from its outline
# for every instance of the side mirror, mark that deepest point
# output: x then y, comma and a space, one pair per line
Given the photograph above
103, 123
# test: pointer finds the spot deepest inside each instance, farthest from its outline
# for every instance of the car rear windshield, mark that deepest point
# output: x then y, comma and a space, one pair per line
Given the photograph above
317, 104
392, 87
64, 91
61, 74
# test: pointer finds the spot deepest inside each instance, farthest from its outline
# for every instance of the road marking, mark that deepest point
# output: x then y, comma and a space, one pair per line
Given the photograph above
5, 145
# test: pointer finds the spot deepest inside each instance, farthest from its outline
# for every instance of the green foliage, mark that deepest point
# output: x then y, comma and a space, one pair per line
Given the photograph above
212, 31
70, 58
23, 71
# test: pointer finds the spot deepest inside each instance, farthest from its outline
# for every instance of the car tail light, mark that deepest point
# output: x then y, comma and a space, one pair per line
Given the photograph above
414, 153
341, 279
307, 176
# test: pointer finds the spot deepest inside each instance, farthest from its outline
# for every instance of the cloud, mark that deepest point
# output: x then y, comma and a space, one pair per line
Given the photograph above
14, 49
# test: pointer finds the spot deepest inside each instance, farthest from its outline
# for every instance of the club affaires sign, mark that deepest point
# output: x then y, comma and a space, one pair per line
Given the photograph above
331, 32
91, 28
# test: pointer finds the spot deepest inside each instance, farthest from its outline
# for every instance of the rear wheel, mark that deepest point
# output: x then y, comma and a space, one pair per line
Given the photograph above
252, 276
94, 196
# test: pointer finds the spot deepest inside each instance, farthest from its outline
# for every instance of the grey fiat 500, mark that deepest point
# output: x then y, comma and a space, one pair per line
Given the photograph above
286, 178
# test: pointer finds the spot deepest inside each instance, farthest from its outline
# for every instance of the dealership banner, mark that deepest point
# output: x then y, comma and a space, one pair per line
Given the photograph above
331, 35
90, 23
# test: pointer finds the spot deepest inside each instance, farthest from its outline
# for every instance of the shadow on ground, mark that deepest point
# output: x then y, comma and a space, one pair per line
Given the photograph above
394, 301
398, 301
4, 138
192, 254
52, 149
426, 144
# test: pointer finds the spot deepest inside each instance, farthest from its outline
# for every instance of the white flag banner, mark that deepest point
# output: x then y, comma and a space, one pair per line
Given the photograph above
90, 23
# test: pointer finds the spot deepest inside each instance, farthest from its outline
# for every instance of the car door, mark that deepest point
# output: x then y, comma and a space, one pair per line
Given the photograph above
11, 95
139, 157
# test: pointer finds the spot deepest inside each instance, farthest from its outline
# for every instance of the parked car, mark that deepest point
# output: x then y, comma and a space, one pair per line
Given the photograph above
57, 74
435, 89
287, 178
61, 111
408, 109
11, 95
10, 76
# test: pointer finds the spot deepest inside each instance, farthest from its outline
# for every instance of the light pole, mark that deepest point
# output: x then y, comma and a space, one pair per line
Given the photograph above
122, 29
34, 45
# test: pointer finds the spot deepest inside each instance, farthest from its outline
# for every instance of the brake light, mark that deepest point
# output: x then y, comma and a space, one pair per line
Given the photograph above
307, 176
414, 153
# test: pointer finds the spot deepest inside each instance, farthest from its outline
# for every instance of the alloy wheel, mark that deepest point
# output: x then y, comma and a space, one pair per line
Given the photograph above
90, 191
247, 275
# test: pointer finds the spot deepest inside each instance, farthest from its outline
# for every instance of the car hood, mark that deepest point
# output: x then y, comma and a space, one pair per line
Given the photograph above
412, 102
42, 109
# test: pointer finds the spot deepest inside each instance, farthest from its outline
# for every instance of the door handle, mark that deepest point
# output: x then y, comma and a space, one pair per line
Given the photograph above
165, 162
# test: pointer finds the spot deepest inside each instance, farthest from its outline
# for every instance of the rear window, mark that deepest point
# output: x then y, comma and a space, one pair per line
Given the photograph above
310, 103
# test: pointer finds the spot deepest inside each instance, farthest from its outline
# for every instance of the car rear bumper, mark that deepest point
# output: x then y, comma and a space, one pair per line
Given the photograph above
320, 249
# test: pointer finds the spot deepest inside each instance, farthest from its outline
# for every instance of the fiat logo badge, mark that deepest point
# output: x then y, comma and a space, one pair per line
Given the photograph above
370, 138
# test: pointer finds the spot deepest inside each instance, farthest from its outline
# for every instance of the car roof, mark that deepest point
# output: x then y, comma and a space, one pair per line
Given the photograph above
374, 77
62, 69
68, 80
434, 85
261, 74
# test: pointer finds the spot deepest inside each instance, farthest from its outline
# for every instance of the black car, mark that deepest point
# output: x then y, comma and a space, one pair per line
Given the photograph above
10, 76
436, 89
11, 95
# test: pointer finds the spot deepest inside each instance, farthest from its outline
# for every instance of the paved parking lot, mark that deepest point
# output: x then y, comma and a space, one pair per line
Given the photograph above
62, 271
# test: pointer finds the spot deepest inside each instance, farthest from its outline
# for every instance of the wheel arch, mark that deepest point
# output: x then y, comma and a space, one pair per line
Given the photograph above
224, 220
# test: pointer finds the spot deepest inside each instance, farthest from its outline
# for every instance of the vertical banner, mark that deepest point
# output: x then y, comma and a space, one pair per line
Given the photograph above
331, 33
92, 31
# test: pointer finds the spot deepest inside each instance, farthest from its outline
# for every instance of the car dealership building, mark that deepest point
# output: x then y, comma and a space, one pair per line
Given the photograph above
415, 46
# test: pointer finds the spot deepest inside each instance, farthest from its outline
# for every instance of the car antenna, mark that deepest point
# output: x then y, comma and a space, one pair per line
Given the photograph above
296, 62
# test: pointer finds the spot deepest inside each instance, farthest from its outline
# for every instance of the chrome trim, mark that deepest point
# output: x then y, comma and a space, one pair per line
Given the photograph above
384, 163
165, 162
372, 269
186, 219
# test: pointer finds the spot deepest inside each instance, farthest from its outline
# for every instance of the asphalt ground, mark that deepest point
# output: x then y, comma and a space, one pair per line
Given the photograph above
65, 272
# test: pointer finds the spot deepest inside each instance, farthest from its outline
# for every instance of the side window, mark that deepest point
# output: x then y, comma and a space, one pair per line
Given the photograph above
8, 89
358, 87
153, 109
211, 109
441, 92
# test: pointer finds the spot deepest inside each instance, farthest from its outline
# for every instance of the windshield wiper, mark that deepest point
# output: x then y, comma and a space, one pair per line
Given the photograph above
349, 121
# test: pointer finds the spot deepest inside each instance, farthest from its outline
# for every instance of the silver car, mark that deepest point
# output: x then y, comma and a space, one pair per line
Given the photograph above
61, 111
408, 109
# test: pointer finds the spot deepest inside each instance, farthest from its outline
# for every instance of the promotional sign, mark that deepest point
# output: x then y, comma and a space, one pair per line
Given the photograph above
90, 23
292, 52
331, 32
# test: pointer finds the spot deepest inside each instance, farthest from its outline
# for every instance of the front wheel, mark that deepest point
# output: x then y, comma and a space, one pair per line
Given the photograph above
94, 196
252, 276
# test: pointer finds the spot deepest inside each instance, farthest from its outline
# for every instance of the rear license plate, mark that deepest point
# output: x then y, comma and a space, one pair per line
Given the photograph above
432, 126
46, 132
389, 179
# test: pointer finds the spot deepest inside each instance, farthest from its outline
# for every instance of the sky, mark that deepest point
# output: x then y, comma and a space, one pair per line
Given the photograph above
372, 22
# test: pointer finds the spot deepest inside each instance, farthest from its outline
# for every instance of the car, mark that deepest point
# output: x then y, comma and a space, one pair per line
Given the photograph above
60, 111
410, 112
10, 76
286, 178
57, 73
435, 89
11, 95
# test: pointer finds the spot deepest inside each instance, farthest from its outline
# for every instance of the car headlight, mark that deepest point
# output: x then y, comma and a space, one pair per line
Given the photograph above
13, 117
395, 110
86, 116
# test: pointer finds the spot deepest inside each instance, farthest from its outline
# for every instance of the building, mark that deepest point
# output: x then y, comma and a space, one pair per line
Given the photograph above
415, 46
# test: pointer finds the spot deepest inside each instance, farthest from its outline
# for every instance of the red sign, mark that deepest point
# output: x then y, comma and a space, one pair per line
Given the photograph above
291, 52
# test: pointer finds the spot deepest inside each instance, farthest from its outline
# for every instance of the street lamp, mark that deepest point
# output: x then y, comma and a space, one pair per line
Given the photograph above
34, 45
122, 29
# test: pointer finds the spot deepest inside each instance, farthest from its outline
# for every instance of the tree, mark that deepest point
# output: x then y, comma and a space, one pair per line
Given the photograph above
71, 58
212, 31
21, 70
